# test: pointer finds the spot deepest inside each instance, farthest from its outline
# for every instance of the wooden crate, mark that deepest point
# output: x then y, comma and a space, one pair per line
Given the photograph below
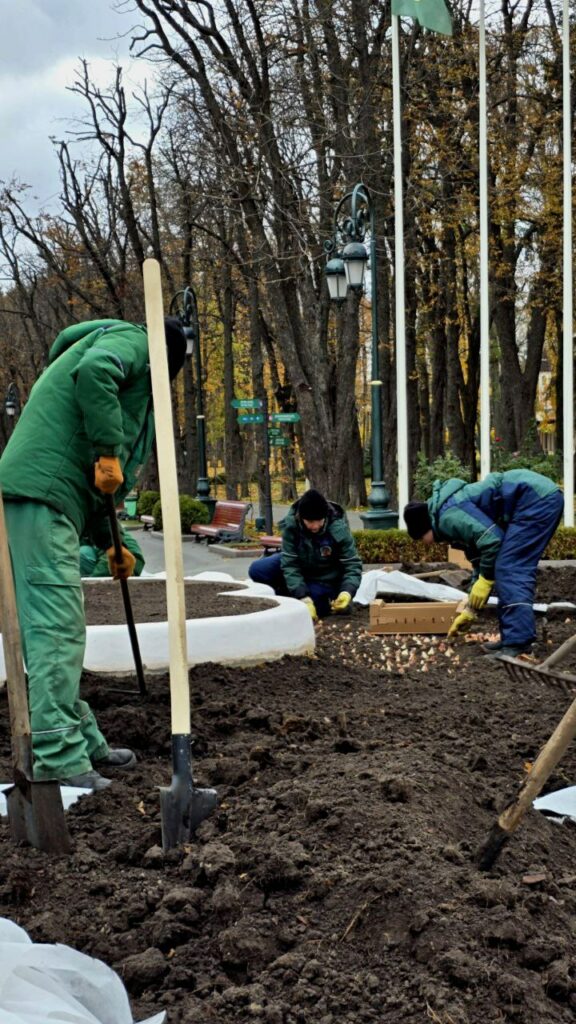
416, 617
458, 558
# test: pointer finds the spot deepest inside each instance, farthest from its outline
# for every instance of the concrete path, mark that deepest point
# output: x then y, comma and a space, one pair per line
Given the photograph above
197, 557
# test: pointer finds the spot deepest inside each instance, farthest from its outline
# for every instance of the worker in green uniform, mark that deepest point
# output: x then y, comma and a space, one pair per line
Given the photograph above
96, 561
85, 432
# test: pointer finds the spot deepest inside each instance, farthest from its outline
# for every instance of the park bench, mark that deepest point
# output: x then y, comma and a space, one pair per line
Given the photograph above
227, 522
270, 543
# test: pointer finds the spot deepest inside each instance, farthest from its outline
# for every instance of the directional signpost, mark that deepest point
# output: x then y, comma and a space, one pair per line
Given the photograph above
273, 437
252, 417
247, 403
285, 417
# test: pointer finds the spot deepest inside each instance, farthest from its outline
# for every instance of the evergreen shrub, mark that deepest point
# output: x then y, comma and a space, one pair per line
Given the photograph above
146, 502
191, 511
445, 467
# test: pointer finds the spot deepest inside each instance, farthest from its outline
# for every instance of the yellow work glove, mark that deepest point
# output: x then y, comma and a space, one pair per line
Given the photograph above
480, 592
341, 603
108, 474
124, 569
311, 607
462, 623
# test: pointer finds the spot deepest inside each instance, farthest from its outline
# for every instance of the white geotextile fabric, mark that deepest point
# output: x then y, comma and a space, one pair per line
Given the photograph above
562, 802
54, 984
229, 639
70, 794
377, 581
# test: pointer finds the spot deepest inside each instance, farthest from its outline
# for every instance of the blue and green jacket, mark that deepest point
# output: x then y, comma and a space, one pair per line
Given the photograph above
474, 517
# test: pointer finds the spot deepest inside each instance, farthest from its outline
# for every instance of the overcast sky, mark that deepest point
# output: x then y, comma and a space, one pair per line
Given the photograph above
41, 42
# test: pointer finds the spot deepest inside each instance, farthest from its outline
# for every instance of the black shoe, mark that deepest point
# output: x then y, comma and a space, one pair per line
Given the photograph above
514, 651
88, 780
120, 757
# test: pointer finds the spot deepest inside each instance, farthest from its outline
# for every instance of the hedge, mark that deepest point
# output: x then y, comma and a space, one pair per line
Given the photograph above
396, 546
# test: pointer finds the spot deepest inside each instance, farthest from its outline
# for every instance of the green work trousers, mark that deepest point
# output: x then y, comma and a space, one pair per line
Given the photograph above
44, 549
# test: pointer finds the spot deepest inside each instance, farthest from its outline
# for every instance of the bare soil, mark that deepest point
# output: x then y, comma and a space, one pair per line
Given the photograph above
336, 882
103, 604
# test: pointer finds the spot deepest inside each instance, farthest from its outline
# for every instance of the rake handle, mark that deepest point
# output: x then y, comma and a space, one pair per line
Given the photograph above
563, 651
544, 765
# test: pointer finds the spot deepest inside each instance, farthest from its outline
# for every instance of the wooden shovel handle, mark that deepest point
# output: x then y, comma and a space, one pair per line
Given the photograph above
175, 600
15, 678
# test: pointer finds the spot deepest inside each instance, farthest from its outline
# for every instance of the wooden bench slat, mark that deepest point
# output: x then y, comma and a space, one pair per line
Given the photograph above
227, 522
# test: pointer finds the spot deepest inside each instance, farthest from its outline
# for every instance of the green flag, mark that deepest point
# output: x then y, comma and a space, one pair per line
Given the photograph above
431, 14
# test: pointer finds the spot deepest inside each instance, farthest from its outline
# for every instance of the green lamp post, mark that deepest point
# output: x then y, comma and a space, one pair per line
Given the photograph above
345, 269
185, 307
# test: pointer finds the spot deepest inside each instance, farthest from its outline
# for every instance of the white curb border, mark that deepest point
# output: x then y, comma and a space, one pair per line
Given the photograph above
226, 640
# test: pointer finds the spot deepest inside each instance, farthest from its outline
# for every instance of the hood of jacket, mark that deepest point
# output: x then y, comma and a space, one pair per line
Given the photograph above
441, 491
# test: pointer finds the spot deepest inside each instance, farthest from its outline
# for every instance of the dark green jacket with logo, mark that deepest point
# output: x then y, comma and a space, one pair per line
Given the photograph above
94, 398
328, 557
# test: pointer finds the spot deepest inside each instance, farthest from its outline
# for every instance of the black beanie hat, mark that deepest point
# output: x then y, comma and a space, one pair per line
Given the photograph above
417, 519
175, 345
312, 506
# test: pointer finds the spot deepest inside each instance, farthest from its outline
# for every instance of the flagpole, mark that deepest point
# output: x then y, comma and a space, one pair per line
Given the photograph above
567, 318
484, 283
400, 319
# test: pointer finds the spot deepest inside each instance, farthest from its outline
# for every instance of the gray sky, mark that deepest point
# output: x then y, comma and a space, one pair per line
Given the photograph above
40, 46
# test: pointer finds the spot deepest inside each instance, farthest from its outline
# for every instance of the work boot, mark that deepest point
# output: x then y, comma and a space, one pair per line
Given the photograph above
88, 780
490, 646
513, 651
120, 757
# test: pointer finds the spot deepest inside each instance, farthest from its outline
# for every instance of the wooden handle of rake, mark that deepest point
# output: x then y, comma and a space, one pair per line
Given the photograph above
541, 770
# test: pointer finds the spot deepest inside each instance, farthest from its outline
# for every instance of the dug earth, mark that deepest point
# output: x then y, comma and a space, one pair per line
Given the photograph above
336, 882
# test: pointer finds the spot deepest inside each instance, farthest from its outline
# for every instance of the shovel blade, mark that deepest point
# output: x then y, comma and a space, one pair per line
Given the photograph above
182, 806
182, 809
36, 816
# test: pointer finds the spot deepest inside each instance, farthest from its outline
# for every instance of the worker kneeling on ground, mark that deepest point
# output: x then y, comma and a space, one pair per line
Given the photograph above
319, 563
85, 432
96, 561
504, 524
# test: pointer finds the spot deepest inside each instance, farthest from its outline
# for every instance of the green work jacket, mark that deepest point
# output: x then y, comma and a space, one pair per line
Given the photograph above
308, 557
94, 398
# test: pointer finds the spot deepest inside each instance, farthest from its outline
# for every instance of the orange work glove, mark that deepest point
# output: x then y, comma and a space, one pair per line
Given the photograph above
108, 474
124, 569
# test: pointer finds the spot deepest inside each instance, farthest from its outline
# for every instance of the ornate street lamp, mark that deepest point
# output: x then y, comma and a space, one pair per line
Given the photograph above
185, 307
347, 248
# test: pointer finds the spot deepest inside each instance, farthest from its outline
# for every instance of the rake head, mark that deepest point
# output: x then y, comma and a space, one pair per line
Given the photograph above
526, 671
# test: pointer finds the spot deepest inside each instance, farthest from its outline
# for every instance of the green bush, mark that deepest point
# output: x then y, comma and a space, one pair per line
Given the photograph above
146, 502
191, 511
376, 546
443, 468
563, 543
548, 465
396, 546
